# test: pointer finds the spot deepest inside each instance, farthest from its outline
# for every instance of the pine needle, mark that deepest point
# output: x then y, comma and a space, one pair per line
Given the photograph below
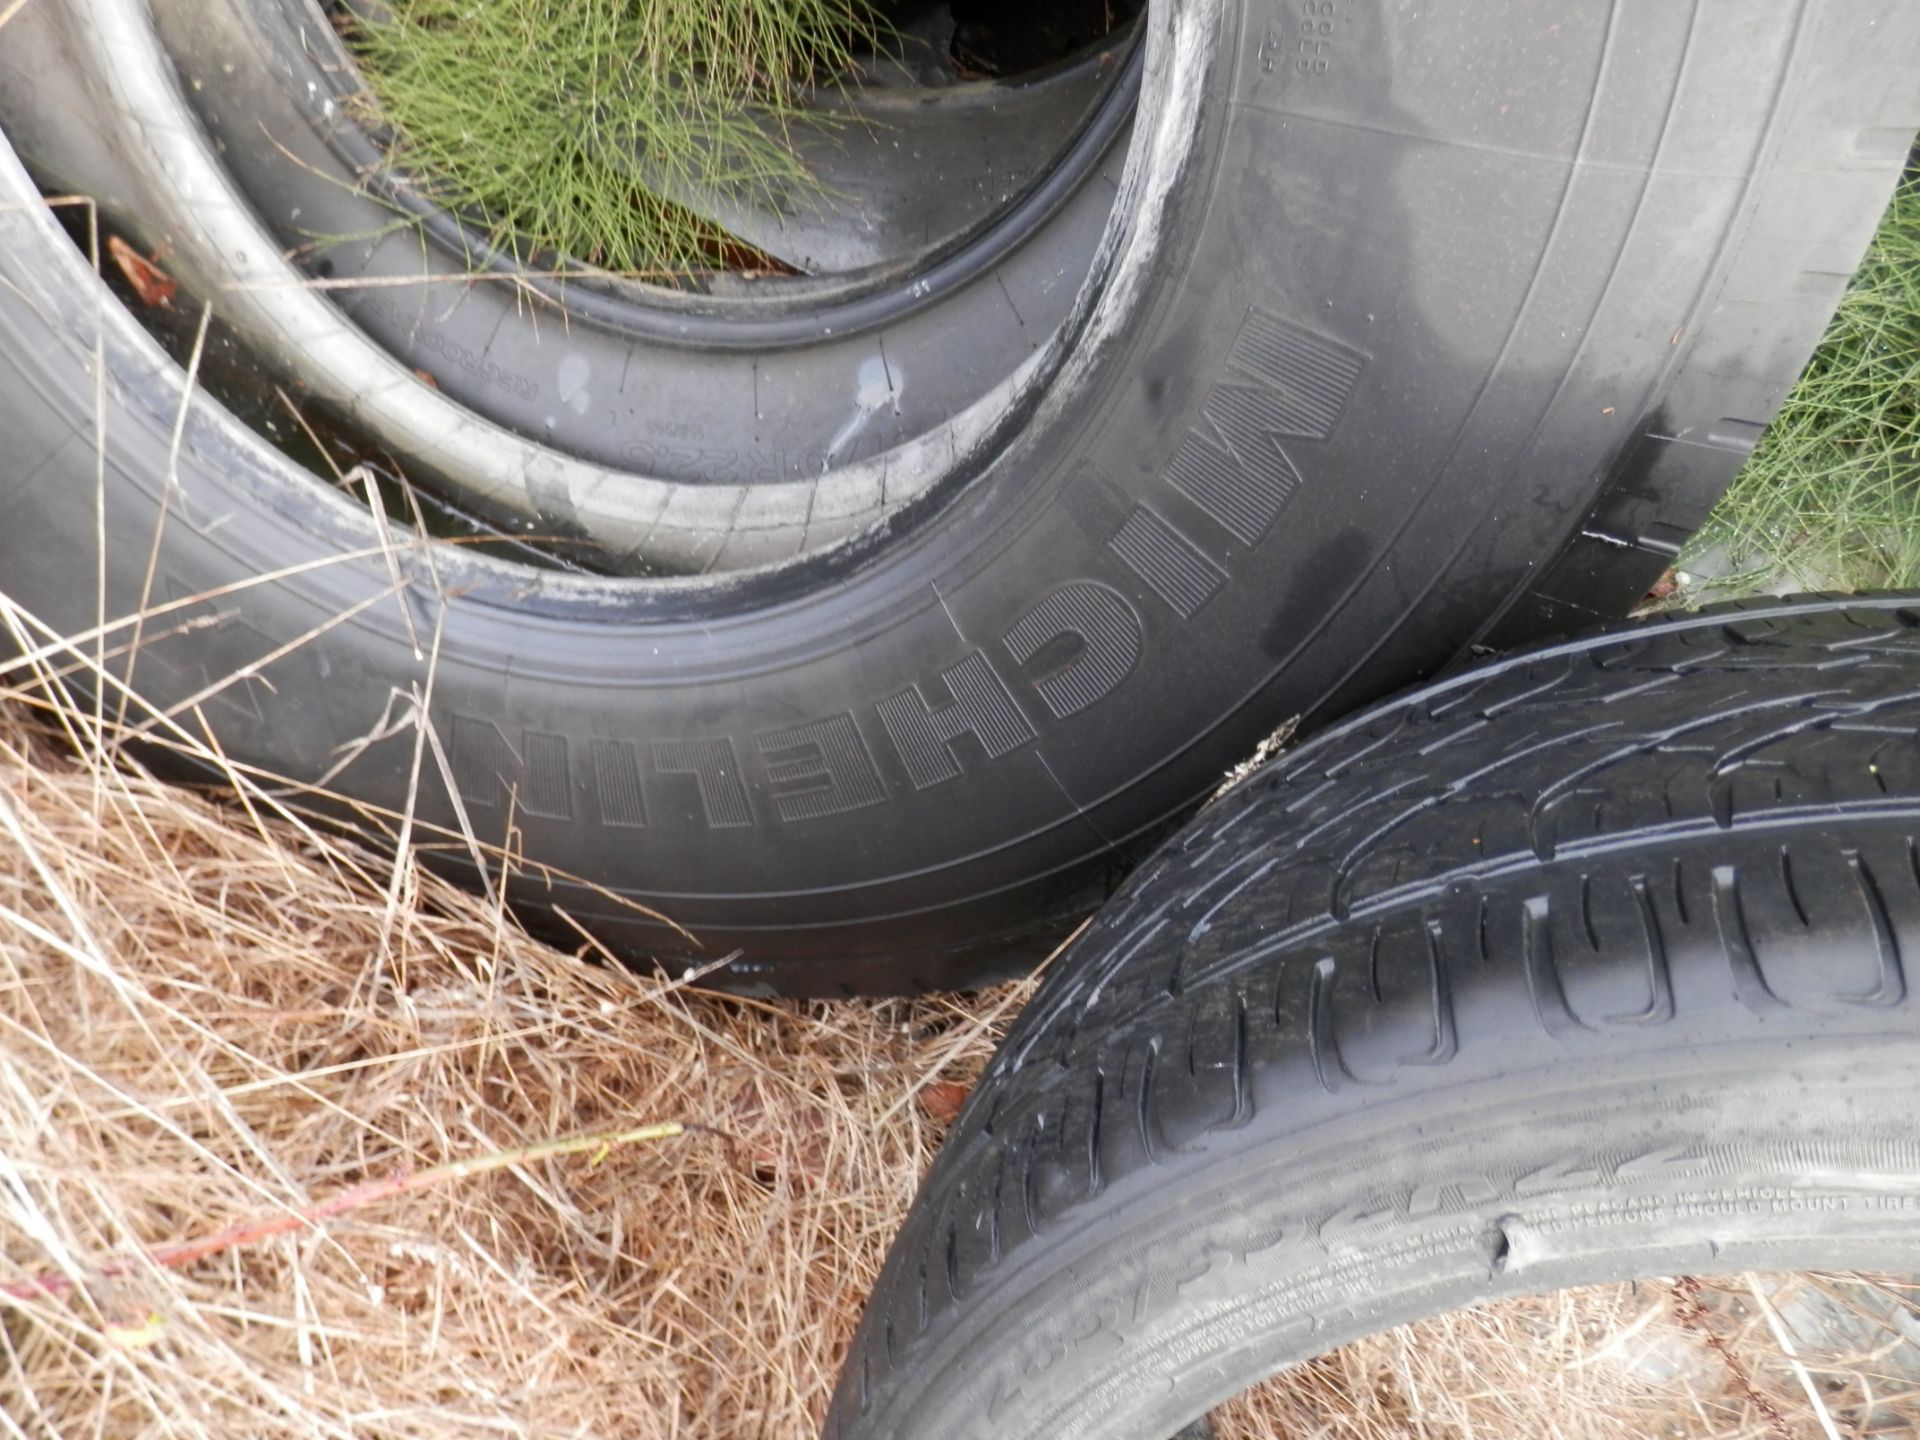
252, 1232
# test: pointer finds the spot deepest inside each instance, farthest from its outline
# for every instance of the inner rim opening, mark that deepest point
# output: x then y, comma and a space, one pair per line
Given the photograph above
935, 152
310, 343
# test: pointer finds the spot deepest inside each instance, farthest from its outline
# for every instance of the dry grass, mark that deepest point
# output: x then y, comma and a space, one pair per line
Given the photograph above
213, 1017
208, 1016
1662, 1359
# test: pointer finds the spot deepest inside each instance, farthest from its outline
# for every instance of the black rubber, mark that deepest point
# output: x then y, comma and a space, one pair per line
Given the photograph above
1424, 328
759, 385
1593, 964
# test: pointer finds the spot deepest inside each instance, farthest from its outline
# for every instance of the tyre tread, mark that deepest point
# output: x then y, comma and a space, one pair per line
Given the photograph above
1345, 912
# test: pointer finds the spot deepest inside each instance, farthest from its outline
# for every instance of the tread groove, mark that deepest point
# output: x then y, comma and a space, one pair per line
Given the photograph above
1544, 985
1660, 1006
1446, 1033
1143, 1108
1323, 1047
1749, 981
994, 1250
1094, 1181
1892, 986
1786, 884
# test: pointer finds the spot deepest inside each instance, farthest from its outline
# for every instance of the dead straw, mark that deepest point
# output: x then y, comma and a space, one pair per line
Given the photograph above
277, 1159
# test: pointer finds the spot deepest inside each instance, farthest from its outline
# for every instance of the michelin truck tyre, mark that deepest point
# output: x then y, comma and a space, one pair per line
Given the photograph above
1360, 335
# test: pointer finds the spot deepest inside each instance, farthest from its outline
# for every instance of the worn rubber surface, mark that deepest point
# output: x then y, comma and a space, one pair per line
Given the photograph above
753, 406
1592, 964
1421, 328
667, 432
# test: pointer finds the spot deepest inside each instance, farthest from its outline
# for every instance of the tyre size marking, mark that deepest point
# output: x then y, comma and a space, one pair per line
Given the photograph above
1304, 43
1070, 649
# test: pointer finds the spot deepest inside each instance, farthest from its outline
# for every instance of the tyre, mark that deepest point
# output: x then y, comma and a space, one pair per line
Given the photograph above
1589, 965
1371, 335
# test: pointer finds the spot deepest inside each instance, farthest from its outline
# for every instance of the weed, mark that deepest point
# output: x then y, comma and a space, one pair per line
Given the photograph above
560, 122
1831, 497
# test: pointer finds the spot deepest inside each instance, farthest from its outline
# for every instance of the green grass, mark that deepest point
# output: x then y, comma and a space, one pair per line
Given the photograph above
541, 116
1831, 496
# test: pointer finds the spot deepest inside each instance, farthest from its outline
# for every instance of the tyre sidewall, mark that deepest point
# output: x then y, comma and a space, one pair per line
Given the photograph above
1256, 488
1260, 1248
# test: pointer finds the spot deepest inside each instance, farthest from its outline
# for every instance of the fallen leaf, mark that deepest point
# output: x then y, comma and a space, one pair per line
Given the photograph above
152, 284
942, 1100
781, 1137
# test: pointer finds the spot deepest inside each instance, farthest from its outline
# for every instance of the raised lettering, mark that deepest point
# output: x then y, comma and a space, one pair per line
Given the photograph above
980, 707
1428, 1196
616, 783
488, 769
1308, 375
1173, 567
716, 773
1284, 382
1107, 632
1239, 476
820, 769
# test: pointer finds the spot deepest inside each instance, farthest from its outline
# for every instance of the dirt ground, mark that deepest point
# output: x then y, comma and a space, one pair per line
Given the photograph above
234, 1051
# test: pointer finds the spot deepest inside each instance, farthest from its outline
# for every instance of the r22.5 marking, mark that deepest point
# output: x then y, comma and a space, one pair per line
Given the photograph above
1304, 44
1069, 650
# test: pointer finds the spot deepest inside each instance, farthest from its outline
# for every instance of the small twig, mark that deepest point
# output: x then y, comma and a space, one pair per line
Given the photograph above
1263, 752
167, 493
1781, 1339
371, 485
250, 1232
1692, 1316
